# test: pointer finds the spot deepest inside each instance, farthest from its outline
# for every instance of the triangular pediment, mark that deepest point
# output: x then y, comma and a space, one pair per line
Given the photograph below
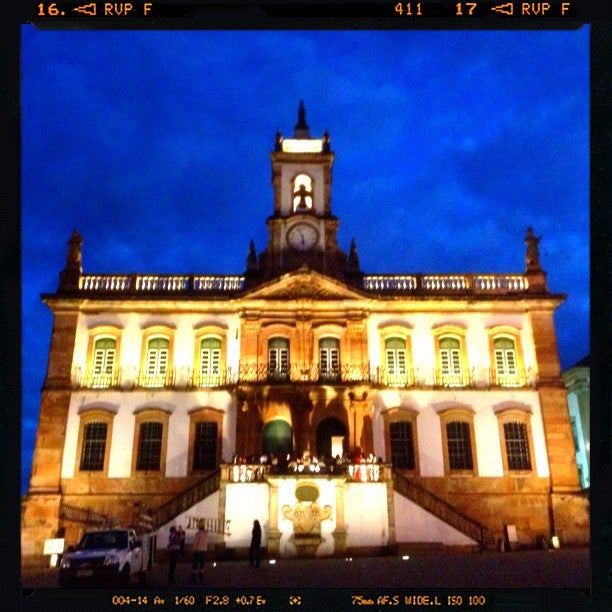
305, 283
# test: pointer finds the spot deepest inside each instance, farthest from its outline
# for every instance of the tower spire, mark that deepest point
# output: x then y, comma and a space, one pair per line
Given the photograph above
252, 275
301, 127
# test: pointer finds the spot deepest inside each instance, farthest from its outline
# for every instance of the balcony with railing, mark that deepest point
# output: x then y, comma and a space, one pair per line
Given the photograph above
365, 471
310, 373
124, 378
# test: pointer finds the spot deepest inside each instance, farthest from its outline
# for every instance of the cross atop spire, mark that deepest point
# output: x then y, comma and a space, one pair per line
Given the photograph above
301, 127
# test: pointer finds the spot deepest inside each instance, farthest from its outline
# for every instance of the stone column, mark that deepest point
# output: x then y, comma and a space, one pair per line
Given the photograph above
41, 513
304, 354
340, 533
553, 401
569, 511
249, 349
359, 407
54, 406
273, 534
357, 351
391, 541
220, 545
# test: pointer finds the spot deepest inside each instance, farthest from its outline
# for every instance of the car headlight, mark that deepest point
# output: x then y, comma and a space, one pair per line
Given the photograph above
111, 559
65, 563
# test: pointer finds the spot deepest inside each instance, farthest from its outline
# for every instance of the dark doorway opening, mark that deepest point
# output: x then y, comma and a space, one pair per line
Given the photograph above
327, 429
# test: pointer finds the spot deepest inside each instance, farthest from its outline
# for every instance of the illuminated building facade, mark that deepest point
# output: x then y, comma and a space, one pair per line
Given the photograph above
442, 392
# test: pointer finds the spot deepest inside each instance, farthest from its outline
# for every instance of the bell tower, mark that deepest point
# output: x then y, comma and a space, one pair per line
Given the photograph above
302, 229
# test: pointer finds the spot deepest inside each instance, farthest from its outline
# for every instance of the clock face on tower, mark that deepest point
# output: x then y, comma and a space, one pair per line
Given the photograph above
302, 236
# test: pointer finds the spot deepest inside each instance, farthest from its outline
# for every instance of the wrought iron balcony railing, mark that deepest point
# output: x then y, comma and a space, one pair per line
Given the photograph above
304, 372
463, 378
520, 378
156, 380
97, 380
419, 378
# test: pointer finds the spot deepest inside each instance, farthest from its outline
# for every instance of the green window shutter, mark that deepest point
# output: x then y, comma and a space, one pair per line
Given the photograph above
210, 357
395, 350
157, 356
505, 357
103, 362
278, 355
329, 357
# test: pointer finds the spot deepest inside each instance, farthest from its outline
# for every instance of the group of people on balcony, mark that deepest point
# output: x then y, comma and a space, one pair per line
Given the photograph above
358, 467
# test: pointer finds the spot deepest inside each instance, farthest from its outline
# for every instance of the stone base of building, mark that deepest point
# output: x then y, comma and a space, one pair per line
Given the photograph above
523, 504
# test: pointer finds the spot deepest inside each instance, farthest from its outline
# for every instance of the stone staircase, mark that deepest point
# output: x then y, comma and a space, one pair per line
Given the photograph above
443, 510
185, 500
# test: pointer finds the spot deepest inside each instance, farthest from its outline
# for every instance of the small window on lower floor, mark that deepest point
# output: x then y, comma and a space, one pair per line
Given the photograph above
149, 446
402, 445
517, 446
205, 446
94, 446
459, 445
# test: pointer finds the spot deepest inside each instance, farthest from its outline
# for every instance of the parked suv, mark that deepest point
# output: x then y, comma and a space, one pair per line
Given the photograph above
109, 556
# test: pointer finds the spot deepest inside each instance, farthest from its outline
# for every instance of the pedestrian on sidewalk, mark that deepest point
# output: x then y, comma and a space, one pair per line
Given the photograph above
173, 549
182, 536
200, 546
255, 550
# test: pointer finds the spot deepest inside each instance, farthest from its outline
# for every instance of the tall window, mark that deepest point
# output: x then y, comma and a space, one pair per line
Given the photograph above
506, 372
104, 355
395, 359
158, 350
93, 448
329, 358
149, 446
205, 446
517, 445
210, 362
402, 444
451, 374
459, 445
278, 358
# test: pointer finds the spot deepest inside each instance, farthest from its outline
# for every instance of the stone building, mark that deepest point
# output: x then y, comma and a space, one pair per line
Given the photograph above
443, 393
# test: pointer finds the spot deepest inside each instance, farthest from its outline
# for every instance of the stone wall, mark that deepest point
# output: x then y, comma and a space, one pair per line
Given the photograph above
525, 502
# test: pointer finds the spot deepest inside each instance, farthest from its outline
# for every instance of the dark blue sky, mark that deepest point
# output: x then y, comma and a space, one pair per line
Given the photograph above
155, 146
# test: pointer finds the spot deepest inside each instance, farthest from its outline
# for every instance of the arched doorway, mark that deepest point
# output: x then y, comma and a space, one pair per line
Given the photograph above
277, 438
326, 431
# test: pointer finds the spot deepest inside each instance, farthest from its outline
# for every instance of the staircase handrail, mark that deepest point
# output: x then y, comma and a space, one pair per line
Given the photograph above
186, 499
441, 509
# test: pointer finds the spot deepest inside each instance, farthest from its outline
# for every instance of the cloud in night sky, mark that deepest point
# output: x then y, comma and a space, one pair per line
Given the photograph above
155, 146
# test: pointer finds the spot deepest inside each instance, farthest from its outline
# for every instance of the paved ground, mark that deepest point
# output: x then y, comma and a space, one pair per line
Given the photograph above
569, 568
